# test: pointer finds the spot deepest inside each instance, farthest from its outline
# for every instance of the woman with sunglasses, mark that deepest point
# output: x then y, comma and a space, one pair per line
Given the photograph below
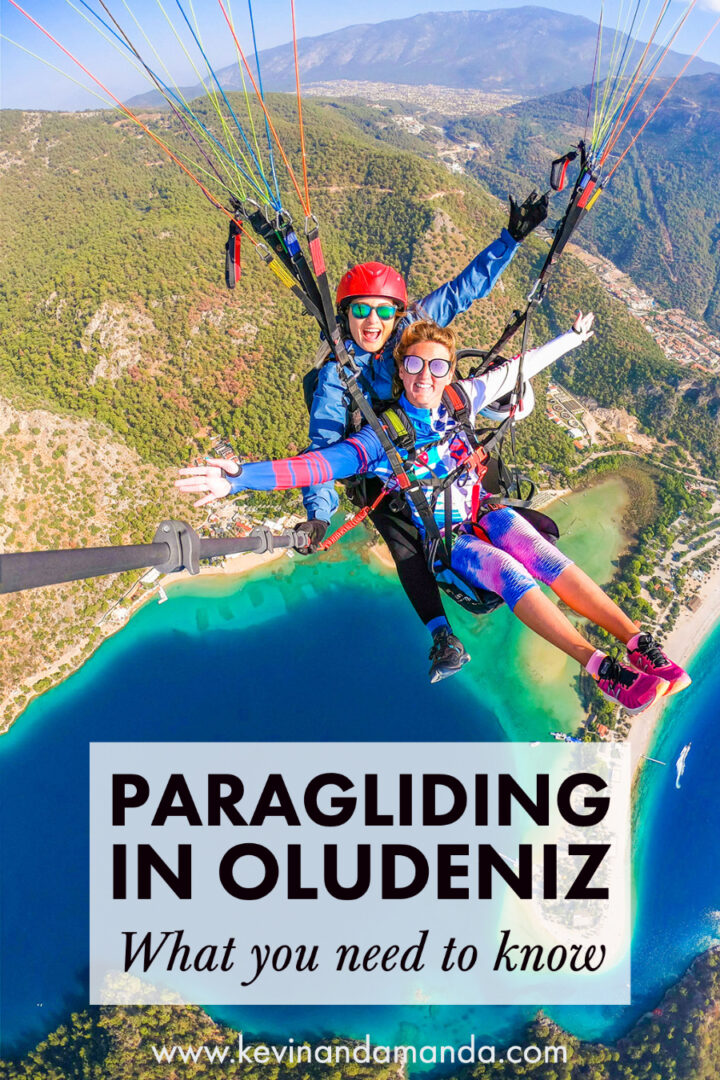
373, 306
495, 548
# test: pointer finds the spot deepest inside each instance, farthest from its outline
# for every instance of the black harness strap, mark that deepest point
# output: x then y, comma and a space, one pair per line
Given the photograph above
491, 358
302, 269
280, 241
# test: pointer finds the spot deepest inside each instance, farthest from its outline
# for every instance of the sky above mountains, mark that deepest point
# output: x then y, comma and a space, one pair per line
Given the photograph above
28, 83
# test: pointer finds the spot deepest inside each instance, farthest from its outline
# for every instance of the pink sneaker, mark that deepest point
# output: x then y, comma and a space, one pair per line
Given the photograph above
645, 655
634, 690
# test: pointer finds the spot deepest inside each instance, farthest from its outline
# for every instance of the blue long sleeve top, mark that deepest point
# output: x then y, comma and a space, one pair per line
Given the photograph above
328, 416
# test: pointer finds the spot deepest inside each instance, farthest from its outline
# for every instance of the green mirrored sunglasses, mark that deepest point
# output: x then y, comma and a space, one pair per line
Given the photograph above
383, 311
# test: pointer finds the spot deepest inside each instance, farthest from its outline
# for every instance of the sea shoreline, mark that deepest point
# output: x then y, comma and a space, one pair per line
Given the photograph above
682, 643
686, 638
690, 632
246, 563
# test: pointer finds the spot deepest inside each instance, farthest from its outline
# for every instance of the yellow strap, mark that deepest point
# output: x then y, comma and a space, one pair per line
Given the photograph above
396, 423
593, 198
280, 272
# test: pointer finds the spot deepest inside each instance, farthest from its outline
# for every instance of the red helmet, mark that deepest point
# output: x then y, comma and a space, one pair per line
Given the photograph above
372, 279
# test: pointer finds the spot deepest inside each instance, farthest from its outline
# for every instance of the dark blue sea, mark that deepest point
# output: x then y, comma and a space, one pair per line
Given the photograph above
298, 654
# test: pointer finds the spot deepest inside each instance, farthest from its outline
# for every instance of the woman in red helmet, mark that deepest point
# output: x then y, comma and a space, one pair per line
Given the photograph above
373, 306
363, 287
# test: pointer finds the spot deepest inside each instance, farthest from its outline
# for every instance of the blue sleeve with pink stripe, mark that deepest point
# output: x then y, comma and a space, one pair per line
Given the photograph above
347, 458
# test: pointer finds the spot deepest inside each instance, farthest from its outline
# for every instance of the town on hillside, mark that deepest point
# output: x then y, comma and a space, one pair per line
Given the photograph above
683, 340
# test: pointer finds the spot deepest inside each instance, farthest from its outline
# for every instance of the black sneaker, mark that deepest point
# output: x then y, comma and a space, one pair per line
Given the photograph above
447, 655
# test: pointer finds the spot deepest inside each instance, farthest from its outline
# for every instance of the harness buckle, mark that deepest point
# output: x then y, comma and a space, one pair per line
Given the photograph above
478, 461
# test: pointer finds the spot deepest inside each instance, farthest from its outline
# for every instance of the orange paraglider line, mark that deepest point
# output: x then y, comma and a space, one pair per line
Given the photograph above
670, 87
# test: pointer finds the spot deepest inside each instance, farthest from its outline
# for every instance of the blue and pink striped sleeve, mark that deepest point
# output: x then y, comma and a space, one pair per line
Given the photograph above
346, 458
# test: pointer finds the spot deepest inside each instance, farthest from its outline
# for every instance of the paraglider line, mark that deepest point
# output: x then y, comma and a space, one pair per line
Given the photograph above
59, 70
300, 119
277, 205
611, 67
161, 86
209, 89
262, 98
614, 137
132, 116
178, 97
624, 56
615, 110
618, 128
592, 81
123, 40
711, 31
262, 106
609, 140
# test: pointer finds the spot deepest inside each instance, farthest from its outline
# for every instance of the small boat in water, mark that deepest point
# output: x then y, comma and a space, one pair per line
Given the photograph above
680, 763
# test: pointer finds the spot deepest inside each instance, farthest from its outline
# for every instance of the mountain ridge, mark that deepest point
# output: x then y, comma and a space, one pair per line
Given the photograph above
659, 219
527, 51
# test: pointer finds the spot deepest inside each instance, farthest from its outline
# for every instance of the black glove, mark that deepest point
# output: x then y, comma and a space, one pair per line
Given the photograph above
526, 216
315, 531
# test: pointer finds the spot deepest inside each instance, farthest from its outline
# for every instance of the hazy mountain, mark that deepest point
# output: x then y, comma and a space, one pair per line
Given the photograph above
525, 51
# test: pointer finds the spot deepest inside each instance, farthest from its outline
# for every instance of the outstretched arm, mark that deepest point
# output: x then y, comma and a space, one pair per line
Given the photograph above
500, 381
346, 458
472, 283
479, 277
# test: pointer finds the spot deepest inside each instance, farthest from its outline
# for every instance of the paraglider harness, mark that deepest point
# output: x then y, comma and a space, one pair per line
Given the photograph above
396, 433
484, 460
392, 430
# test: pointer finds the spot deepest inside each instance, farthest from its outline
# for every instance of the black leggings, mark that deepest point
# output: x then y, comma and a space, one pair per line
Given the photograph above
403, 539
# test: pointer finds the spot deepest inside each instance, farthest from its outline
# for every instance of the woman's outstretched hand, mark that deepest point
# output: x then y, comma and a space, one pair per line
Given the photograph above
211, 478
583, 325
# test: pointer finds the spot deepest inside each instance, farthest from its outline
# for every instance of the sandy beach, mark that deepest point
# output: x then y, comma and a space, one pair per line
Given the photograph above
232, 566
691, 629
380, 552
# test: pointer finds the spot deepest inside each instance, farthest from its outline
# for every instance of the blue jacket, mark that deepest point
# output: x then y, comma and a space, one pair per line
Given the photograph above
329, 412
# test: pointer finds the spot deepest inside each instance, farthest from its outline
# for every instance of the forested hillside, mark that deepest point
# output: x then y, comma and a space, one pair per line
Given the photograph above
114, 306
66, 482
660, 218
